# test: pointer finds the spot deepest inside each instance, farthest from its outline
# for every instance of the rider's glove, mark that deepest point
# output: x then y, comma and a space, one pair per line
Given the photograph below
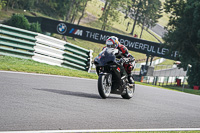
121, 61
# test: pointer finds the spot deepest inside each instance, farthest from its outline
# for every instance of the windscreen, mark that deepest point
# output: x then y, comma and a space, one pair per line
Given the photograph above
105, 57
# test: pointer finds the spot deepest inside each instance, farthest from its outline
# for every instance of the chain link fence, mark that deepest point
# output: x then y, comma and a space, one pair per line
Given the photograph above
165, 75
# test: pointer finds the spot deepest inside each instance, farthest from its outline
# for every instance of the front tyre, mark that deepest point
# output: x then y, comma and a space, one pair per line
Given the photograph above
104, 87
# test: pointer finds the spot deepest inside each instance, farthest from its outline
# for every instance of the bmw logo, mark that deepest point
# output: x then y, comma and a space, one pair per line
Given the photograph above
61, 28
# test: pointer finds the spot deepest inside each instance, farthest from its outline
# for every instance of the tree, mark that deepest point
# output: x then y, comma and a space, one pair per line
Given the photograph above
127, 7
149, 14
83, 10
2, 4
36, 27
137, 6
19, 21
184, 35
70, 10
110, 14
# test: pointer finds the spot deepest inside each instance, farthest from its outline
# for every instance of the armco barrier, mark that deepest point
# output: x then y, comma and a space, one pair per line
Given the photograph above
163, 80
154, 63
30, 45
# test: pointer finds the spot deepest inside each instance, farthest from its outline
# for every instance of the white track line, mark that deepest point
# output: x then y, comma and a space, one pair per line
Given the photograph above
105, 130
47, 75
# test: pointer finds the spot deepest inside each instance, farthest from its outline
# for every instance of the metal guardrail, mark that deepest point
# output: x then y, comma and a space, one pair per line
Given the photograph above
30, 45
156, 62
165, 80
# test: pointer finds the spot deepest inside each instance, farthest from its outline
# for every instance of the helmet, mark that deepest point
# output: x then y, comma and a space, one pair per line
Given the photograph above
112, 42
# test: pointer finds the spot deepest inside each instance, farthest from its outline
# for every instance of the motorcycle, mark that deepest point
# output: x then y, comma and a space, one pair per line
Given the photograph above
112, 75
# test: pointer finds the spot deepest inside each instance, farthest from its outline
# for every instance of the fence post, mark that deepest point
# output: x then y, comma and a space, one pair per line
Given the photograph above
156, 80
167, 80
184, 83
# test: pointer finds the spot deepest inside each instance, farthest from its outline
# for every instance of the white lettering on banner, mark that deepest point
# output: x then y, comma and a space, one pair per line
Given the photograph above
146, 46
96, 36
87, 33
129, 44
92, 35
141, 46
175, 54
122, 42
164, 50
103, 37
137, 45
153, 50
158, 51
126, 42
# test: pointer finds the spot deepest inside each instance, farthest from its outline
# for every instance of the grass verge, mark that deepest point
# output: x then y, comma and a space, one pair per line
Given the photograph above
174, 88
163, 132
8, 63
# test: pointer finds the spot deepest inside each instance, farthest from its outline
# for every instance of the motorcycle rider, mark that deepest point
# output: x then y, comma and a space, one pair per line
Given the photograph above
112, 42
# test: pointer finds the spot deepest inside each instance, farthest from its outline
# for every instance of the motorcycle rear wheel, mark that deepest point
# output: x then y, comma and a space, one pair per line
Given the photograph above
129, 92
103, 88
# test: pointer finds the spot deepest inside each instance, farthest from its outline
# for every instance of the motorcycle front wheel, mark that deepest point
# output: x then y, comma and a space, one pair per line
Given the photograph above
103, 87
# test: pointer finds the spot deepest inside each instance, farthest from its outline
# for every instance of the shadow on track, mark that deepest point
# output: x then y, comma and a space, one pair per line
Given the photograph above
71, 93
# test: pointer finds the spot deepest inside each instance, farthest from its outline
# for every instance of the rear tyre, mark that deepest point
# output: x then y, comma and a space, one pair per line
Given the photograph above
129, 91
104, 87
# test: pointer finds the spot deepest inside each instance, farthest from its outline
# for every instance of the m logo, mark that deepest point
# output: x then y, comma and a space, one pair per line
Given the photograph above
76, 32
118, 69
61, 28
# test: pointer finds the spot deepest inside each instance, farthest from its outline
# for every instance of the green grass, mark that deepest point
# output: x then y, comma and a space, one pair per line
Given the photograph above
163, 132
157, 132
23, 65
174, 88
94, 7
167, 64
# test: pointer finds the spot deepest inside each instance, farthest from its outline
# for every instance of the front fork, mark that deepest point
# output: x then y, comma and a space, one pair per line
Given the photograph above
108, 78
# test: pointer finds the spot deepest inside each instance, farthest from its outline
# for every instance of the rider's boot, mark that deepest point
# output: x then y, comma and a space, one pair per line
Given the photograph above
130, 79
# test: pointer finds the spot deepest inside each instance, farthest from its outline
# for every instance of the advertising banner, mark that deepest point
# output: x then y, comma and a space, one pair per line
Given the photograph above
99, 36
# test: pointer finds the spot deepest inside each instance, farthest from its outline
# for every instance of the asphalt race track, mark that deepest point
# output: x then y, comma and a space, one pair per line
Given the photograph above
43, 102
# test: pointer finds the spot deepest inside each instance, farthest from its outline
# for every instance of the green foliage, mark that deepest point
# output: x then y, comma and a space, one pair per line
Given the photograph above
184, 34
150, 13
110, 14
144, 12
2, 4
58, 9
18, 20
194, 75
35, 27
